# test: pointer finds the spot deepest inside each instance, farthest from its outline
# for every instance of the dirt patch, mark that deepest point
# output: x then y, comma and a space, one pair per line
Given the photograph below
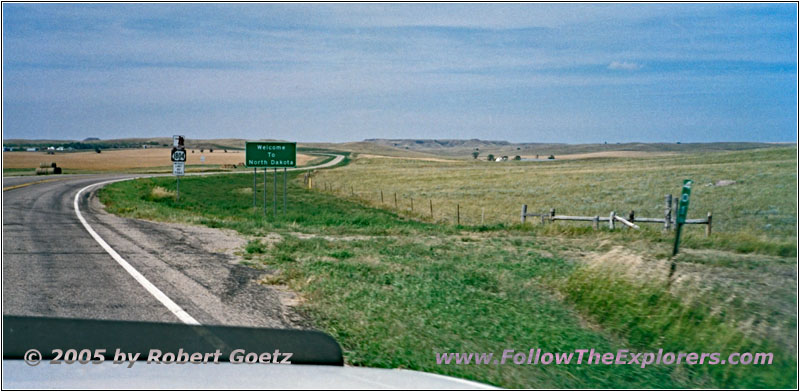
307, 236
201, 268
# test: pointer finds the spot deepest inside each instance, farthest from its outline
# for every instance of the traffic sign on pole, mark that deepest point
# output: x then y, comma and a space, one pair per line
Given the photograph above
178, 168
178, 157
271, 155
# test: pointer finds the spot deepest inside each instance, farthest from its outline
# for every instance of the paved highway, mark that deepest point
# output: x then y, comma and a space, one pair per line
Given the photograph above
52, 265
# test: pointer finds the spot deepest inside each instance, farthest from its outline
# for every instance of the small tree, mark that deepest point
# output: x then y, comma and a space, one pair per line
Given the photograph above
490, 157
475, 154
210, 150
517, 158
551, 157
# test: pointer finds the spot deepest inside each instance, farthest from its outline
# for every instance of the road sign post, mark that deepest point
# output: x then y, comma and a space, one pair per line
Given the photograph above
680, 220
271, 155
178, 157
284, 190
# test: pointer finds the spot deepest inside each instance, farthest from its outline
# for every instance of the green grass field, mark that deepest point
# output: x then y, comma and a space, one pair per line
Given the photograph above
394, 289
756, 214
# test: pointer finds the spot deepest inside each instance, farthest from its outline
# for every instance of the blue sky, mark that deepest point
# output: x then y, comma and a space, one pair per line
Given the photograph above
572, 73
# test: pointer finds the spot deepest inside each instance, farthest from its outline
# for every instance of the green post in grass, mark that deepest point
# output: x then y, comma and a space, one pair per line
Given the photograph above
680, 219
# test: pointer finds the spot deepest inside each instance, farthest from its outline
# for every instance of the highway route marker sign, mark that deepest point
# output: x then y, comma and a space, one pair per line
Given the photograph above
178, 155
270, 155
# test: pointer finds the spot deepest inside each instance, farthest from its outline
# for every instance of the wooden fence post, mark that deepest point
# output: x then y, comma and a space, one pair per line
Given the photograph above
675, 202
523, 213
708, 225
395, 200
482, 211
352, 193
458, 214
552, 214
412, 204
667, 211
632, 217
611, 220
381, 196
596, 222
431, 203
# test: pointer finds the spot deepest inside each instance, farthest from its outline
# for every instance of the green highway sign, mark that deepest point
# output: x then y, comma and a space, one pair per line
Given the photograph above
270, 154
683, 204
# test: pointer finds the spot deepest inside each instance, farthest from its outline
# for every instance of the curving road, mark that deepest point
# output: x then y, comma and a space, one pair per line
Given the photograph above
52, 266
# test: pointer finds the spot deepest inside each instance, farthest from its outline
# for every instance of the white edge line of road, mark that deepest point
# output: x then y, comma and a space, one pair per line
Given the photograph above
150, 287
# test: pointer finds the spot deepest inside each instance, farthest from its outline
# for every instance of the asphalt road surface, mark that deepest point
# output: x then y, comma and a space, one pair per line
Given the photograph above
53, 267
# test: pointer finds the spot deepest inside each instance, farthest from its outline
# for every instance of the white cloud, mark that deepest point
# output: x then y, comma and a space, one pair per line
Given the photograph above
624, 66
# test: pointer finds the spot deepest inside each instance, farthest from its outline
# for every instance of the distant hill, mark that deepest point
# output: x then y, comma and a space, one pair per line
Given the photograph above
465, 147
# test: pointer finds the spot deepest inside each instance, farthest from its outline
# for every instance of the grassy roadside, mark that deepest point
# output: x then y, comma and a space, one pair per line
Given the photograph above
395, 291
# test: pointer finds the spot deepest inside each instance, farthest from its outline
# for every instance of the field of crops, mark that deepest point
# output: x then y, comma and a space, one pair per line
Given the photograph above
119, 160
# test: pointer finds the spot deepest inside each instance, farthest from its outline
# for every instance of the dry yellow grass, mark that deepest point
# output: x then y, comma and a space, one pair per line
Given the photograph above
607, 154
367, 156
161, 193
113, 160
